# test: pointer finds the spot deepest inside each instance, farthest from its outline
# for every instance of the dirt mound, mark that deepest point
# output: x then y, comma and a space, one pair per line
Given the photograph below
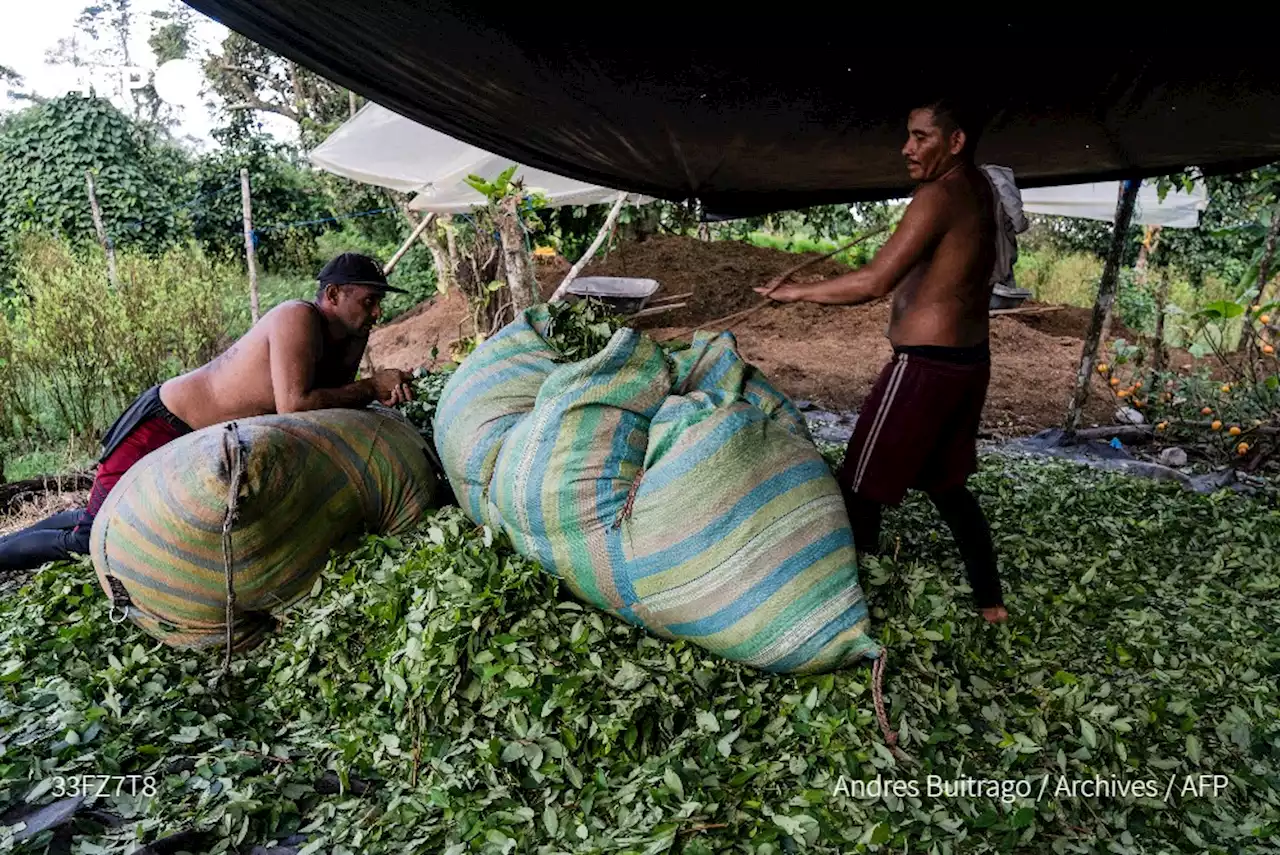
830, 355
406, 342
1068, 321
719, 274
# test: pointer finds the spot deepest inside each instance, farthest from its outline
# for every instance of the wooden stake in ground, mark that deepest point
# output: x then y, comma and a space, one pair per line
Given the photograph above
395, 259
1162, 300
1106, 296
101, 230
246, 204
591, 250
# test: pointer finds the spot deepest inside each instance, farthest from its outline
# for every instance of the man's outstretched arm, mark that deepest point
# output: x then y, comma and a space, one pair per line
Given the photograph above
295, 344
921, 226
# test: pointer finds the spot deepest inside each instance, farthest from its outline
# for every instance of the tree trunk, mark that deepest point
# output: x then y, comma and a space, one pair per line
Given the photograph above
1106, 296
446, 276
1157, 356
515, 257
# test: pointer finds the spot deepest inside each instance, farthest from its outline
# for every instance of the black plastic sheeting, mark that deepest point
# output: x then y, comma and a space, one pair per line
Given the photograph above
754, 112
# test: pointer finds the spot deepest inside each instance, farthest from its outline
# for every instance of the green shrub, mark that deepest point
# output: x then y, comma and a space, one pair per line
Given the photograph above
1058, 277
82, 349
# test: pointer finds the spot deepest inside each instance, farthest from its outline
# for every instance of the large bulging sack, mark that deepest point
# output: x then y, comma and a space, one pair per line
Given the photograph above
312, 482
681, 494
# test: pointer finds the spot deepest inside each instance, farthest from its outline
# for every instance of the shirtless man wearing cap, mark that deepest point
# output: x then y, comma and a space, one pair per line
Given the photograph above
301, 355
918, 427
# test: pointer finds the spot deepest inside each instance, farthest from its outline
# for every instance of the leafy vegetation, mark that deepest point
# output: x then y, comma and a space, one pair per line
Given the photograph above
442, 694
1231, 412
74, 351
44, 153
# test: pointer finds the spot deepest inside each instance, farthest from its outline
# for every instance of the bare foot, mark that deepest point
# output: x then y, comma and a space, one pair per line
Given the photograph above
995, 614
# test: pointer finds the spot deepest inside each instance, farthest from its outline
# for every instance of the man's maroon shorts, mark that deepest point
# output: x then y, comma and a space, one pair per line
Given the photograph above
918, 428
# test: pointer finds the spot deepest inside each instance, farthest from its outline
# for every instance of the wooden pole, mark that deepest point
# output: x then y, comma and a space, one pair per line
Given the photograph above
246, 205
395, 259
591, 250
1162, 300
400, 254
101, 230
1101, 306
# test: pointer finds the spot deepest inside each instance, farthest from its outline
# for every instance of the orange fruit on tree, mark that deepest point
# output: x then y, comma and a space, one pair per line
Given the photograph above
1217, 425
1206, 411
1138, 385
1123, 393
1235, 430
1242, 448
1268, 349
1102, 368
1162, 425
1266, 319
1115, 381
1226, 387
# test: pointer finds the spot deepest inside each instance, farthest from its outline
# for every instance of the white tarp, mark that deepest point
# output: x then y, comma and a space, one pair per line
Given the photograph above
1179, 210
378, 146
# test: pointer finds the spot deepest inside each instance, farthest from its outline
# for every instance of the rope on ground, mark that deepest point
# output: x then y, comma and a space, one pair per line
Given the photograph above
877, 696
774, 284
235, 466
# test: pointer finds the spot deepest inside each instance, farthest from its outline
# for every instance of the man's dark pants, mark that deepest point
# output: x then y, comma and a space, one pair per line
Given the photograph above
918, 429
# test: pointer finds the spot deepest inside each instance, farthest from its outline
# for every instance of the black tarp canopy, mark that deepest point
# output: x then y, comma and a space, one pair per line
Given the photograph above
753, 112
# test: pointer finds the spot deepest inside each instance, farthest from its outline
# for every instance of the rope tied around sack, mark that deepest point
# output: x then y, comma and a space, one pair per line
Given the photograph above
625, 514
234, 452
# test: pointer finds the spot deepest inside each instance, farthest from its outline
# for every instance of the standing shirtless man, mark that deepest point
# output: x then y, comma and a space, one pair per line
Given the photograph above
918, 428
301, 355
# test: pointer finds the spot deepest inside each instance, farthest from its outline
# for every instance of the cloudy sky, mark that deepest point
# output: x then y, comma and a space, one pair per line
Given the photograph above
33, 27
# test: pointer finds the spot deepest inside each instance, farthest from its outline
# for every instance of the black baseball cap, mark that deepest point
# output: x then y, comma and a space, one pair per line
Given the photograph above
352, 268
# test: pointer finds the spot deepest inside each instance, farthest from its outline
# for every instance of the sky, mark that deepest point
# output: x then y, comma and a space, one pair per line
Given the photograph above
33, 27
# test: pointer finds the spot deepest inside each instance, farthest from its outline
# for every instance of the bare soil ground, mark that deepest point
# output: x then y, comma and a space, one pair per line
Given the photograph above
827, 355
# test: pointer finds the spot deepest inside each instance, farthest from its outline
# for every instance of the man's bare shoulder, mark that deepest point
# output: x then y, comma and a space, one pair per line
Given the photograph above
293, 317
933, 198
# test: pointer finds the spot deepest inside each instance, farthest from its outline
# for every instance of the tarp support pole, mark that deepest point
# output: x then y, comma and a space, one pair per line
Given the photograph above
395, 259
591, 250
1101, 306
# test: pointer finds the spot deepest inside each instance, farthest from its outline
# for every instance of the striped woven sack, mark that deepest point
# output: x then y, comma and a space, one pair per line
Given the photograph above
682, 494
312, 482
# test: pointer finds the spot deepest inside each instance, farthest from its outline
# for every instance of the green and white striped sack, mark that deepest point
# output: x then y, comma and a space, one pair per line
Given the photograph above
680, 493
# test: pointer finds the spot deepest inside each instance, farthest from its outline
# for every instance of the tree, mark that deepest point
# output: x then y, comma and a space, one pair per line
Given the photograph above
101, 38
250, 78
